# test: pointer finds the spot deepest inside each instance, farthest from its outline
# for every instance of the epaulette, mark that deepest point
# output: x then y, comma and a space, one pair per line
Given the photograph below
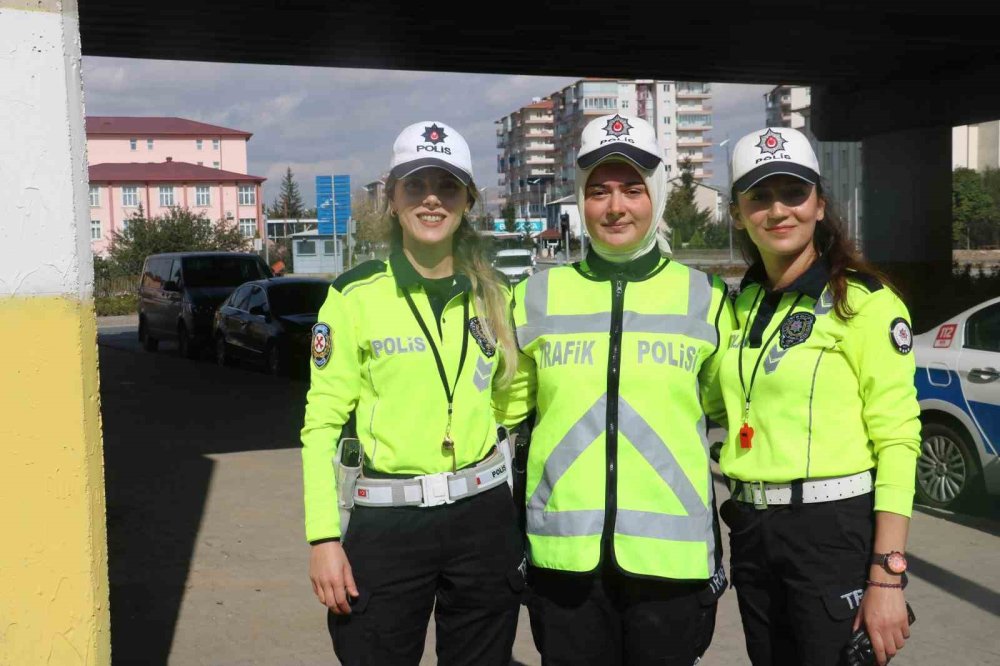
358, 273
870, 282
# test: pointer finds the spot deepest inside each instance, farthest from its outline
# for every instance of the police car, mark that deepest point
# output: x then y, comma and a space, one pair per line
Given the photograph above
958, 386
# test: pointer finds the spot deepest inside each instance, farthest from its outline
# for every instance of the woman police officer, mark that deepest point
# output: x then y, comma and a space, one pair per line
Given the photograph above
412, 346
618, 364
823, 421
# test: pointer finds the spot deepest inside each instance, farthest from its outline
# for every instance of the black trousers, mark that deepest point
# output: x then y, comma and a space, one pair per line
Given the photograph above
460, 559
612, 620
799, 573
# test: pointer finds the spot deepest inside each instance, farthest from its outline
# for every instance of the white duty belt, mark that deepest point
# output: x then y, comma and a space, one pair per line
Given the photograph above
434, 489
762, 494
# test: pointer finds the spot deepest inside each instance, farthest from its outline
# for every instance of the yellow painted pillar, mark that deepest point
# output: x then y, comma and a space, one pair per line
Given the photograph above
53, 536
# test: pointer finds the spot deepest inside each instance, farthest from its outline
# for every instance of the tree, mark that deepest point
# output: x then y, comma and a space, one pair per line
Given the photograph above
509, 215
179, 230
288, 205
991, 182
974, 214
372, 224
682, 213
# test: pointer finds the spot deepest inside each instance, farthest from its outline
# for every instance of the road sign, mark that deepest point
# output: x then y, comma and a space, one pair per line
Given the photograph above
341, 203
324, 205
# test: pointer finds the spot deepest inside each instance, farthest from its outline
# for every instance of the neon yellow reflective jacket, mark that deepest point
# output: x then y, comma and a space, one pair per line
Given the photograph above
620, 368
380, 364
830, 397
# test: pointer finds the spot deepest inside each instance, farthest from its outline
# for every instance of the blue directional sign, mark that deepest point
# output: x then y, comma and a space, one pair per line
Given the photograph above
534, 225
324, 205
341, 203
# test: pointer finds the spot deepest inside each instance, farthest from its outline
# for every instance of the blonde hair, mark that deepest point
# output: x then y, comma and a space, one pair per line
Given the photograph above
471, 257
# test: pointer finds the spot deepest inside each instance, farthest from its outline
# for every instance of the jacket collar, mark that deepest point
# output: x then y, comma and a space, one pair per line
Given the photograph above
636, 269
811, 283
407, 277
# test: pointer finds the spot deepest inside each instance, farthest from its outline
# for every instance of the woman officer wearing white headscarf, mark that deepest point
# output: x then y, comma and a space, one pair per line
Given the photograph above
616, 377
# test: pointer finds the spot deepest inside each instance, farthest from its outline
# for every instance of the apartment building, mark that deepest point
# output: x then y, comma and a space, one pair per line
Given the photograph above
160, 163
976, 146
538, 143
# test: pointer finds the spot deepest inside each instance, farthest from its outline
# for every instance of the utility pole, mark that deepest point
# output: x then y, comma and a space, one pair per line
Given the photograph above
729, 170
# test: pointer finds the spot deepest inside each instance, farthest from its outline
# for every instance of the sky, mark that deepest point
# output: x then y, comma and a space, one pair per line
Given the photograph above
323, 120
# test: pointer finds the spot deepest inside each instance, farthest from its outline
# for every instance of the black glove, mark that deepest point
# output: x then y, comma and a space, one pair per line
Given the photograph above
859, 650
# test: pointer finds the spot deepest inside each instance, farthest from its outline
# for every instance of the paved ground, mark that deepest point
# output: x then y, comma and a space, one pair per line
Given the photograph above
207, 558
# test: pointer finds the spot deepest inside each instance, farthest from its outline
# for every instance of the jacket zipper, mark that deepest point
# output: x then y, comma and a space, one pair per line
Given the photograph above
614, 371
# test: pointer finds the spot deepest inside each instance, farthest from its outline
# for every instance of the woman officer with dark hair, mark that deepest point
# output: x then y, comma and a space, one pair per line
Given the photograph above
823, 421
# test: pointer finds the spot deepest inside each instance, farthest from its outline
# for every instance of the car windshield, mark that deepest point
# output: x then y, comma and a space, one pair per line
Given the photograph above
512, 260
221, 271
297, 298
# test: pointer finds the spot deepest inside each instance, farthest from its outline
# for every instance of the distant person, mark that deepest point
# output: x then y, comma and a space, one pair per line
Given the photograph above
617, 374
410, 348
824, 429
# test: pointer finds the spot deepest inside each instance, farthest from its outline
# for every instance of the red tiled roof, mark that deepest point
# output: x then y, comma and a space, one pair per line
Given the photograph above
155, 125
544, 104
163, 172
550, 234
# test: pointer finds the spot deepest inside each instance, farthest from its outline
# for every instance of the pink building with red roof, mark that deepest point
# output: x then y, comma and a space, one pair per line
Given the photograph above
160, 163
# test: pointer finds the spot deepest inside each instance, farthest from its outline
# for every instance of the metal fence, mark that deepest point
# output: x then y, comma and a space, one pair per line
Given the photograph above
122, 285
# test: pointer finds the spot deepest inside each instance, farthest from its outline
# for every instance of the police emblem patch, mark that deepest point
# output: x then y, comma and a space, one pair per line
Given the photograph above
900, 335
476, 328
322, 344
771, 142
796, 329
434, 134
617, 126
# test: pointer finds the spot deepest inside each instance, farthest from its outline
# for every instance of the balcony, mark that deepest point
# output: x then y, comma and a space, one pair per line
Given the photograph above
691, 94
545, 147
540, 172
699, 143
538, 159
539, 120
701, 108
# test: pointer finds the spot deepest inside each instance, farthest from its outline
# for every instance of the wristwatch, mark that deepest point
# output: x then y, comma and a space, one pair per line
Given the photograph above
894, 562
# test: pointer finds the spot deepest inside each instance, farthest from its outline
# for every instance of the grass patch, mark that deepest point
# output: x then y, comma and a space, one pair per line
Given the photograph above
107, 306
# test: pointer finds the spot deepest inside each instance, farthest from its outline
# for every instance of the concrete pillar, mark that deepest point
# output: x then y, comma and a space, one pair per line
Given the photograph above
53, 548
907, 204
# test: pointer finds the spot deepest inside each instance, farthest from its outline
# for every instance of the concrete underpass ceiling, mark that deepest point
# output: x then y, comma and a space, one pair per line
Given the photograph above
848, 49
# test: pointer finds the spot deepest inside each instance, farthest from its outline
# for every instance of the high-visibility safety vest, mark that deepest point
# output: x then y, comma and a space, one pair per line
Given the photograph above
371, 356
620, 369
828, 397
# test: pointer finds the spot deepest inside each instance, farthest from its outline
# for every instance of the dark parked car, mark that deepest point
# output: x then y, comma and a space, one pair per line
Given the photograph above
270, 322
179, 292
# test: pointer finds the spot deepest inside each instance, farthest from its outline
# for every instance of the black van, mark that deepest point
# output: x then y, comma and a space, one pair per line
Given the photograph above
179, 292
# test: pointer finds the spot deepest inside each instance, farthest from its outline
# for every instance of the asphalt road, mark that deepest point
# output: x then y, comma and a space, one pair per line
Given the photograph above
208, 563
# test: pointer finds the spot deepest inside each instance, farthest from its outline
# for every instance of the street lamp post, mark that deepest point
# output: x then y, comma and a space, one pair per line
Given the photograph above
482, 194
729, 171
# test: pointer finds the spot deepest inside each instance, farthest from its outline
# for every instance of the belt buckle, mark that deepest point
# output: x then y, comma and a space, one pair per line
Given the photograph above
758, 494
435, 489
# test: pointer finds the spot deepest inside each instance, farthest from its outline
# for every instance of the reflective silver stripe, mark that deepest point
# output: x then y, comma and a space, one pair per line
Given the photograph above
645, 440
694, 324
584, 522
661, 526
825, 302
574, 442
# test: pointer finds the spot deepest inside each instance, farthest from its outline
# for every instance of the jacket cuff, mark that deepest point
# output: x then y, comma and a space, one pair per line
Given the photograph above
316, 542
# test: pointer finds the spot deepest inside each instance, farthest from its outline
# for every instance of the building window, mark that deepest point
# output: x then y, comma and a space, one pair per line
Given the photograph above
133, 144
666, 87
149, 144
166, 196
130, 196
248, 227
215, 144
215, 165
624, 104
202, 196
329, 248
307, 248
247, 195
197, 143
95, 230
125, 224
95, 196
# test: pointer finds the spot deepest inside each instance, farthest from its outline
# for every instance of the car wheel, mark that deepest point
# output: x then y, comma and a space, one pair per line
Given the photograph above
274, 364
148, 342
947, 473
185, 346
222, 357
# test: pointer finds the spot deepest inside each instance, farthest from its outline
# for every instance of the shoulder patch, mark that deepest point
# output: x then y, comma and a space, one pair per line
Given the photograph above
358, 273
322, 344
485, 344
900, 335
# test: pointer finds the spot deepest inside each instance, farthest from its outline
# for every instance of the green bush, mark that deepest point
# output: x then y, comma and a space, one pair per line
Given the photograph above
107, 306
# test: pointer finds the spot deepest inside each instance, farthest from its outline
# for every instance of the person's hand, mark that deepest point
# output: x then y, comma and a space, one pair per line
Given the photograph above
883, 612
331, 575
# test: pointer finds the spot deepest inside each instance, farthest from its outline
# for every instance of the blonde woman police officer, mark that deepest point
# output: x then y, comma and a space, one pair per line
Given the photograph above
618, 366
412, 346
823, 421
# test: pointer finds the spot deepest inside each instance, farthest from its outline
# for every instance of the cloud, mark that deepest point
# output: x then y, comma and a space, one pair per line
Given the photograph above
321, 120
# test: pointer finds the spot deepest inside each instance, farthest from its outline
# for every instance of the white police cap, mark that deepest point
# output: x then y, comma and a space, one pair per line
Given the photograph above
431, 144
772, 151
